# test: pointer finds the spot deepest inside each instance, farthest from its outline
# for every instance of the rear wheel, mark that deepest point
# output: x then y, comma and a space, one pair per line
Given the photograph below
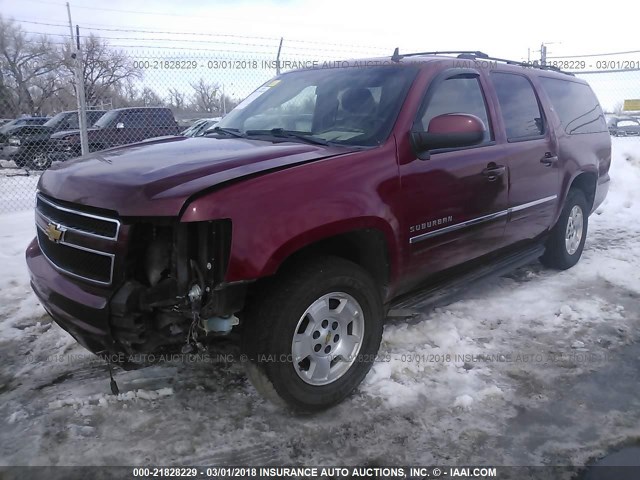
566, 241
313, 333
40, 161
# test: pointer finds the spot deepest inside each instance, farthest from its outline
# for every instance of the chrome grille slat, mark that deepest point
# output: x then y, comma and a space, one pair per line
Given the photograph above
112, 221
90, 264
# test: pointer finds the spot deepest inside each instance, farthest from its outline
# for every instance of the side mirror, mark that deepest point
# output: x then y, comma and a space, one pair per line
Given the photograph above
451, 130
119, 126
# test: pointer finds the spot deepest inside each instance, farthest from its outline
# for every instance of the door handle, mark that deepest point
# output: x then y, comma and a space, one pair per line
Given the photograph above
493, 171
548, 159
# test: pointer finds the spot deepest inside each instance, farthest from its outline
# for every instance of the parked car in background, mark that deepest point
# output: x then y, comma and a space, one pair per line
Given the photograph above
200, 127
624, 126
117, 127
29, 145
314, 207
19, 122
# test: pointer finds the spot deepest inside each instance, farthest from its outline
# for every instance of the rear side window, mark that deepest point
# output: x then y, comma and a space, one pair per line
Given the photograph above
576, 105
73, 121
93, 117
457, 95
519, 104
134, 119
160, 118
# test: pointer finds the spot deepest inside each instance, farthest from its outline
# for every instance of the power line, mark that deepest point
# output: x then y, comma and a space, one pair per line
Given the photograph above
184, 49
157, 39
287, 40
125, 30
597, 54
140, 39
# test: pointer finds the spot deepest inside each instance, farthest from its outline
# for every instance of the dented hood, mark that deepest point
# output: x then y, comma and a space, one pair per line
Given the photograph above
156, 178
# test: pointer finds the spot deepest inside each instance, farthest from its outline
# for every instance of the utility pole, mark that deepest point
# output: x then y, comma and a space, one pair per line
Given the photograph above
543, 54
278, 57
224, 102
77, 59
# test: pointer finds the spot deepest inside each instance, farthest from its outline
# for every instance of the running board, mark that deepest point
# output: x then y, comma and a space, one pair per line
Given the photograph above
448, 290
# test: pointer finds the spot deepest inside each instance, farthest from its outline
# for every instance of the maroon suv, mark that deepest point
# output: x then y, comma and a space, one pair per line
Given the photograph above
316, 205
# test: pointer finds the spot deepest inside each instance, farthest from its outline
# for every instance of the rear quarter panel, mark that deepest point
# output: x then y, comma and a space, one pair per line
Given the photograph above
577, 153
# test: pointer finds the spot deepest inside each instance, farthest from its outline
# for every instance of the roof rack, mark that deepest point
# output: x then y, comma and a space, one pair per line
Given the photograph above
476, 55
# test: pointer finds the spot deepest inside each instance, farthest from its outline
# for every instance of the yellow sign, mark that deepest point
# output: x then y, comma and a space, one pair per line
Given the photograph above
631, 105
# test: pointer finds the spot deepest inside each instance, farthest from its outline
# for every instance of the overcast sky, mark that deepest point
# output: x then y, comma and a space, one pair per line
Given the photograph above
364, 28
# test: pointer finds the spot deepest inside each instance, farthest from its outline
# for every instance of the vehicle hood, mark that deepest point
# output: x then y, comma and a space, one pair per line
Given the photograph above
64, 133
15, 131
34, 129
156, 178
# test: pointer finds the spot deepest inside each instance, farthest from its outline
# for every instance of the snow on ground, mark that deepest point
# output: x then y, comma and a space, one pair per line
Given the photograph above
16, 187
538, 367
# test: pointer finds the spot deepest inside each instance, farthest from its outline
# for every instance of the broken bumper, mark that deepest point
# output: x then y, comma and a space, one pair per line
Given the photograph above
82, 311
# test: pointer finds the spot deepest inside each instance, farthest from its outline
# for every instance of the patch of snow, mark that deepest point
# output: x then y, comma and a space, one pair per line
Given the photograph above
463, 401
506, 349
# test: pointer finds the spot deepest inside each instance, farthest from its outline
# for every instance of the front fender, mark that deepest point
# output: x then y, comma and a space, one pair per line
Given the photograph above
276, 214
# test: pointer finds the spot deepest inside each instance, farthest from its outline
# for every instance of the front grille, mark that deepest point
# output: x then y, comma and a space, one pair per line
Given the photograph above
78, 263
82, 221
77, 243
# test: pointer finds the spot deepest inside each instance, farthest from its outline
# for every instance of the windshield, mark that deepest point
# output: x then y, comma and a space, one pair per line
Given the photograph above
206, 127
106, 119
349, 106
54, 121
8, 126
193, 129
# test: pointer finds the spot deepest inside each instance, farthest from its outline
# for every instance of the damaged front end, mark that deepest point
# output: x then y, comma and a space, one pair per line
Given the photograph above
173, 296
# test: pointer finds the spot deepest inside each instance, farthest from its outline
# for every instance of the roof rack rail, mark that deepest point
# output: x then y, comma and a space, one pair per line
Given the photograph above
477, 55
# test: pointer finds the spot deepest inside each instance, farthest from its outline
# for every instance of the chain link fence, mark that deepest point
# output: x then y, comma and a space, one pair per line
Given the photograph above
138, 94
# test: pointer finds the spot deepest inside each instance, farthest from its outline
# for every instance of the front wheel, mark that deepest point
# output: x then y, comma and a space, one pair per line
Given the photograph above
313, 333
566, 241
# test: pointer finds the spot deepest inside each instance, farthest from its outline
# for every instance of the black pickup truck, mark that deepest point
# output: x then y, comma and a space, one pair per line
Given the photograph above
117, 127
29, 145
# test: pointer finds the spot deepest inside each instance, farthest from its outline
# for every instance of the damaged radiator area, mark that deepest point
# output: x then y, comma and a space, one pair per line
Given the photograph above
173, 296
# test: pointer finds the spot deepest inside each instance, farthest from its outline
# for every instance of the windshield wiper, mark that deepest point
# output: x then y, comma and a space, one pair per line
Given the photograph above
282, 133
227, 131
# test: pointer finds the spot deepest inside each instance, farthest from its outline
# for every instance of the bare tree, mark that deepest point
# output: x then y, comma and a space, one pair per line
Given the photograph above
29, 69
206, 97
618, 108
150, 98
177, 99
104, 68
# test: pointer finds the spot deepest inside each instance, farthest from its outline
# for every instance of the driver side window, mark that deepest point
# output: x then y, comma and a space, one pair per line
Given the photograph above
457, 95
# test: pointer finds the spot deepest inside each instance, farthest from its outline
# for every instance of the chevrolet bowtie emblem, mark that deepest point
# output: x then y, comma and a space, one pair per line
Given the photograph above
54, 232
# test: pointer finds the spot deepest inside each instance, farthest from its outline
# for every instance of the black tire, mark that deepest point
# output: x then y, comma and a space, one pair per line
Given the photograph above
557, 254
40, 161
273, 315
